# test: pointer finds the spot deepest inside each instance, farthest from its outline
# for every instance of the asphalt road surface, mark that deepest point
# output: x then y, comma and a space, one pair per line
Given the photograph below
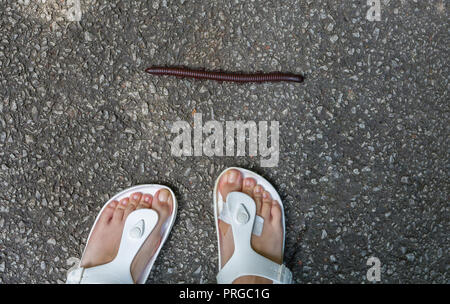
363, 166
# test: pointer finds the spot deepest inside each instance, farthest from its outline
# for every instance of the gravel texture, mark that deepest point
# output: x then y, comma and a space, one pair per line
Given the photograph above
364, 141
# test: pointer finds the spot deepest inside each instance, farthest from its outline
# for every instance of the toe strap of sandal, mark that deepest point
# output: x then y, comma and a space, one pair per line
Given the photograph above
138, 226
227, 217
241, 215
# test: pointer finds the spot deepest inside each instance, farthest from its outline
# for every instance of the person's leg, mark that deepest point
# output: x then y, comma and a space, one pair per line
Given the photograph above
270, 242
104, 242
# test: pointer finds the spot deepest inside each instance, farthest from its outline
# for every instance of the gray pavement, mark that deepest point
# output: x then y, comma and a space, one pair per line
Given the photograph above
364, 141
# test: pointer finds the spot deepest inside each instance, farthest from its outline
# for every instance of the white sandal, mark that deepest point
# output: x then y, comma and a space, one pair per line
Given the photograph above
240, 213
138, 226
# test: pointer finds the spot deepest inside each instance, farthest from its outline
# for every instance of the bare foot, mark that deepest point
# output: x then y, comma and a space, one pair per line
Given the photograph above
104, 242
270, 242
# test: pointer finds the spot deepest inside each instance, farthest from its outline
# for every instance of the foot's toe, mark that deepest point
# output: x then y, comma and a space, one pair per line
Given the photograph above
120, 209
276, 213
248, 186
108, 212
257, 197
162, 203
229, 182
132, 203
266, 205
135, 198
145, 202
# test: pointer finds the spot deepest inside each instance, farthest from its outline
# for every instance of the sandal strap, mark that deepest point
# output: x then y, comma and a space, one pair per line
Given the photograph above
75, 275
245, 261
225, 216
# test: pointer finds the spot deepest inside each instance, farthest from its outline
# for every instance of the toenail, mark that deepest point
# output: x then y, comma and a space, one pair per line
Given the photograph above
248, 183
136, 197
147, 199
232, 176
163, 196
125, 202
257, 189
113, 204
266, 195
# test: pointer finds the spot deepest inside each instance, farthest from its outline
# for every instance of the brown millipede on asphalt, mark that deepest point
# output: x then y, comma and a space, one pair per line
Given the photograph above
225, 76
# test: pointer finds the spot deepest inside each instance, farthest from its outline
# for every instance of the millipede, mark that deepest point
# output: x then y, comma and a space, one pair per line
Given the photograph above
225, 76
